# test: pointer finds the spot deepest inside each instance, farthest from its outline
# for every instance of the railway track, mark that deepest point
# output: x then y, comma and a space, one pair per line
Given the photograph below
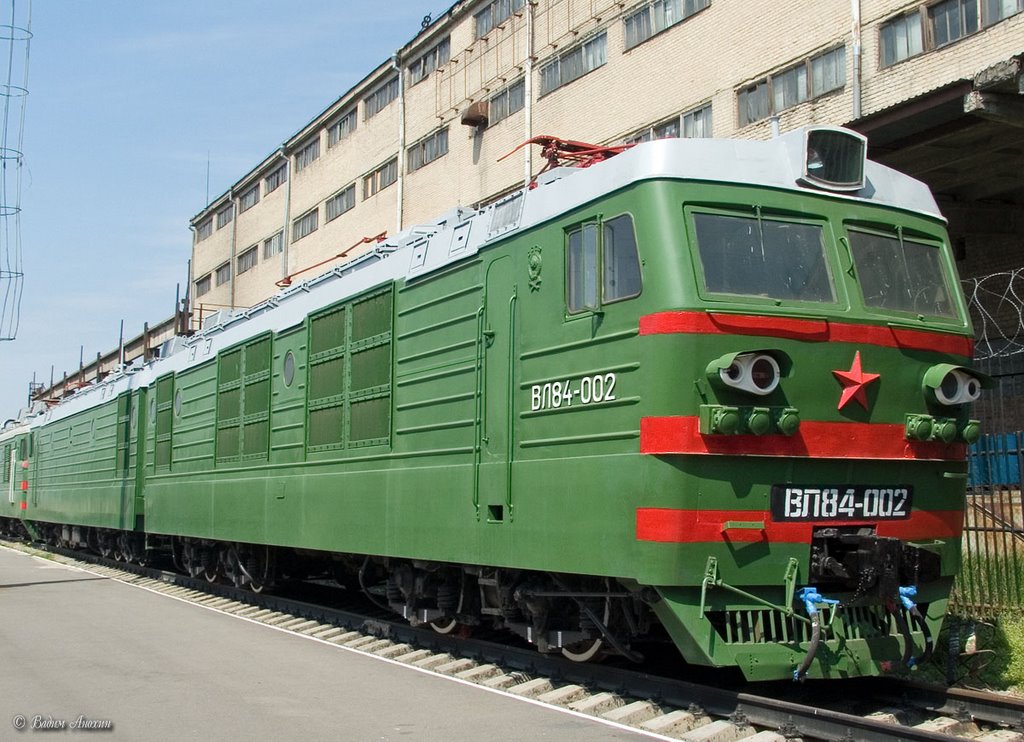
669, 707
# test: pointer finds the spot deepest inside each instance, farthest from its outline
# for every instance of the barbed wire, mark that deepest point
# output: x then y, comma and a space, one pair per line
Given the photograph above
996, 304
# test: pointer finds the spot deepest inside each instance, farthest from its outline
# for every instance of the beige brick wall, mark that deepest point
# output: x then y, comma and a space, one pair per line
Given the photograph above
705, 58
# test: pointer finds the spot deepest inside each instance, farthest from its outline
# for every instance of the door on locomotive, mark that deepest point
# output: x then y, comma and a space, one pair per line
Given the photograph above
496, 430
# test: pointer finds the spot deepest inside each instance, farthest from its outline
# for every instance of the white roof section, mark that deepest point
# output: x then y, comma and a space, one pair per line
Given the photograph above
461, 233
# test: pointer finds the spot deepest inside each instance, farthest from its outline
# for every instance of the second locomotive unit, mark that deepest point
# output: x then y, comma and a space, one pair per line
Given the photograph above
708, 391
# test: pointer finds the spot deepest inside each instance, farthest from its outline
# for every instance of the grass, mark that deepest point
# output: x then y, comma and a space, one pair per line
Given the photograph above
997, 659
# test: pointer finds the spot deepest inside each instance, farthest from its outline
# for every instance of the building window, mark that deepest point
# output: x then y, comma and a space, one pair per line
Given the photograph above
994, 11
341, 128
222, 274
249, 199
307, 155
273, 245
506, 102
380, 178
225, 215
809, 79
273, 181
305, 224
952, 19
341, 202
379, 98
901, 38
494, 14
248, 260
437, 57
427, 150
754, 103
204, 230
575, 63
828, 71
695, 123
655, 17
203, 285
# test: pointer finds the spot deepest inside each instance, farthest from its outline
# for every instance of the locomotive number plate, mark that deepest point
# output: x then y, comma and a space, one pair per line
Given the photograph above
850, 502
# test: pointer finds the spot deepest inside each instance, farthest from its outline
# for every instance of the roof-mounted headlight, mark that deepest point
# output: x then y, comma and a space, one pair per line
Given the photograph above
833, 158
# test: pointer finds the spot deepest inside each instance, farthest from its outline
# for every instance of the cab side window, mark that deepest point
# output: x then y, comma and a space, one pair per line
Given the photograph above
602, 264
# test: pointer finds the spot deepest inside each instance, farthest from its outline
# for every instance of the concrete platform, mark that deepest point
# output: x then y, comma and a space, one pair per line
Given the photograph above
76, 646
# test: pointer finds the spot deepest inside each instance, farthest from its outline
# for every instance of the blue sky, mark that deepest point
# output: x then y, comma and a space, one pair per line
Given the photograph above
127, 100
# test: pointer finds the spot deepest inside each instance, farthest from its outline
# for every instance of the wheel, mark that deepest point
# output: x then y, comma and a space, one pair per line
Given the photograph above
584, 651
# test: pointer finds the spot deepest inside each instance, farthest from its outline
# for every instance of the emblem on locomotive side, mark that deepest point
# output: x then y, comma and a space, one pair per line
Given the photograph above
854, 383
534, 263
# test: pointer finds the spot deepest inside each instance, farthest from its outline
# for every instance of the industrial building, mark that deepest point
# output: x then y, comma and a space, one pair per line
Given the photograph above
936, 87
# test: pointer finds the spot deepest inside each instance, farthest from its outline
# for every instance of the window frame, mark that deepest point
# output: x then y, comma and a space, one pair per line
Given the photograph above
648, 8
904, 234
803, 69
373, 181
225, 215
506, 94
381, 97
252, 253
771, 212
339, 197
249, 198
222, 274
339, 130
275, 179
204, 285
599, 222
272, 247
430, 61
204, 229
494, 21
300, 224
560, 59
419, 154
307, 154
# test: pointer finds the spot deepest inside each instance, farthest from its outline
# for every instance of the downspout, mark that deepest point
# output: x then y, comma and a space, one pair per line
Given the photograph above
400, 197
855, 13
285, 235
528, 95
234, 237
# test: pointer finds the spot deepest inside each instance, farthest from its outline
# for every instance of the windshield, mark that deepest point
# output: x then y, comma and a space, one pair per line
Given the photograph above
769, 258
902, 275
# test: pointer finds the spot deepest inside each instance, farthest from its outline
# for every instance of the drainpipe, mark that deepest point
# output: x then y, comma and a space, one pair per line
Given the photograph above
528, 95
285, 232
396, 64
855, 13
234, 236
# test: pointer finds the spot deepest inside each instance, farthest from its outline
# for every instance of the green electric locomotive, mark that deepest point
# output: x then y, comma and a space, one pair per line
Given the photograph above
709, 391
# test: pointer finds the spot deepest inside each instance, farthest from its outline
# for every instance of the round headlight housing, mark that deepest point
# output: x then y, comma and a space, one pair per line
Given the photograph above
756, 373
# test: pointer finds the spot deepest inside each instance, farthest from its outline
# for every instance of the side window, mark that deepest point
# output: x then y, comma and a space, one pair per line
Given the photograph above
602, 264
621, 262
582, 268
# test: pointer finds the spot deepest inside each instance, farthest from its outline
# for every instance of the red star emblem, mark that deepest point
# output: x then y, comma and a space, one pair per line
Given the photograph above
854, 383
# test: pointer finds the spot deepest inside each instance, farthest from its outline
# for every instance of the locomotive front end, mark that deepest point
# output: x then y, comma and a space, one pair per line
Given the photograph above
808, 453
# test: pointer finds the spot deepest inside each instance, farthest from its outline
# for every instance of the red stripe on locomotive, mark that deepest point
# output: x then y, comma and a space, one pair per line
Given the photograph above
670, 525
814, 439
816, 330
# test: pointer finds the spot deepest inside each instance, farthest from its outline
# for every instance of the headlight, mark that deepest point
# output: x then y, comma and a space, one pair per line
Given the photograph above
757, 373
953, 385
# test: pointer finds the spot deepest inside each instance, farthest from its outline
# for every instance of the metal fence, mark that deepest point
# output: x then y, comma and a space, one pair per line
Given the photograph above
991, 580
